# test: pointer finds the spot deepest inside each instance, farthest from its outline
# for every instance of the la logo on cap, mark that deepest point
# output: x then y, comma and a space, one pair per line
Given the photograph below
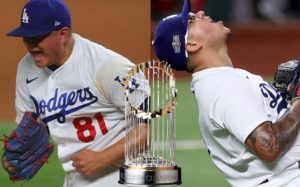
25, 17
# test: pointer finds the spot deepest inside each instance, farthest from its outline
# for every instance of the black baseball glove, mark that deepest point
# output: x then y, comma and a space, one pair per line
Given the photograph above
26, 149
284, 75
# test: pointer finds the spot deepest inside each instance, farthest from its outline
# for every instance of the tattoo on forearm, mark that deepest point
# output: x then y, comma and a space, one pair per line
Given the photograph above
270, 140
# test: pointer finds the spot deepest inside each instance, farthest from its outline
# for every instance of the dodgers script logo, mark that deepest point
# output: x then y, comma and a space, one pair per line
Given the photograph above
274, 97
64, 103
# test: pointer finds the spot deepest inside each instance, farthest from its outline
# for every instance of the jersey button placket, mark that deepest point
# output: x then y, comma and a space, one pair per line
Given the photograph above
52, 84
50, 94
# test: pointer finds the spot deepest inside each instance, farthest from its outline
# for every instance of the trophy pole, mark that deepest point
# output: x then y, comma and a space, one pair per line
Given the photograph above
150, 142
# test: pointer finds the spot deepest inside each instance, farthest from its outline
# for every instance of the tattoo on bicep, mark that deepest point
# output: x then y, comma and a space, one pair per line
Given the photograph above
262, 139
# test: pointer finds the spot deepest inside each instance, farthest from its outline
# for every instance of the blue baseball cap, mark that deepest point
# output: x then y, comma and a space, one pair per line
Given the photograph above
40, 17
170, 38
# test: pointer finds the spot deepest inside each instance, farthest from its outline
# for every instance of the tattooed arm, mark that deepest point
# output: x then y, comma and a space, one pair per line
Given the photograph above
270, 140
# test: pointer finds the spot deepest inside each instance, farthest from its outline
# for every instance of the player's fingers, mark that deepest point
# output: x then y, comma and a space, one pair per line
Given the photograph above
11, 169
78, 167
7, 165
4, 160
74, 157
74, 164
77, 164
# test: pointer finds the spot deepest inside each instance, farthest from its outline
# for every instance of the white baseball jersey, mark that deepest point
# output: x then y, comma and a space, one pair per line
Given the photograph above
82, 102
232, 103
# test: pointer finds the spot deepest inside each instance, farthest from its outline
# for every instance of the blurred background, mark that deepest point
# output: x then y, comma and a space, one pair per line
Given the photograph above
233, 11
264, 34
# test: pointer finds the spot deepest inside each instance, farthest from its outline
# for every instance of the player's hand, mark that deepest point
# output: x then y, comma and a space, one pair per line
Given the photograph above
285, 72
293, 88
87, 162
7, 165
294, 91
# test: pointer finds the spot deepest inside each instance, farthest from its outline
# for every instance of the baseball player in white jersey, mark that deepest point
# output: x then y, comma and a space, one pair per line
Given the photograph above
247, 124
75, 86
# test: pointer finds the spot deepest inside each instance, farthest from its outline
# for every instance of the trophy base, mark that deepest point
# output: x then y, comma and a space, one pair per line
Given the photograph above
137, 176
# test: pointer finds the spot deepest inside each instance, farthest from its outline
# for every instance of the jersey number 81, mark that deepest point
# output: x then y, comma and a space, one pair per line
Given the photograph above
83, 124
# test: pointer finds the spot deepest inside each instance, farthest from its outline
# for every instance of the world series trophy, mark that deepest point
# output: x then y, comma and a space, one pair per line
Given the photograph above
151, 127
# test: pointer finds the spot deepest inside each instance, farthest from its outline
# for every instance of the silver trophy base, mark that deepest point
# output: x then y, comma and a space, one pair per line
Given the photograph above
150, 175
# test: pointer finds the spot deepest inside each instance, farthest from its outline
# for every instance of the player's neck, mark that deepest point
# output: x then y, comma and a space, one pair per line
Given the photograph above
65, 55
53, 67
67, 51
211, 60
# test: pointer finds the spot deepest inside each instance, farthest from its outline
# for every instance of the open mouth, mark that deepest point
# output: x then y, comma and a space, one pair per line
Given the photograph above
36, 53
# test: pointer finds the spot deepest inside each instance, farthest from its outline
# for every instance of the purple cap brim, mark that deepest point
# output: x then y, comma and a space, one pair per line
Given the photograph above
185, 12
27, 32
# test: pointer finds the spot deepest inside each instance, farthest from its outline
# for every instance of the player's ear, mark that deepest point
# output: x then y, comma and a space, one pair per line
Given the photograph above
64, 33
193, 46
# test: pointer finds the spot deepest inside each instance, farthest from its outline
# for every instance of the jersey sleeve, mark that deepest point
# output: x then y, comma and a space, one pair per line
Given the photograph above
22, 100
238, 106
109, 81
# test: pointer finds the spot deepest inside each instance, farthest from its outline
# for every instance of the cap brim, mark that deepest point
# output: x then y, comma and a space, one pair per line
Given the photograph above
185, 11
27, 32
